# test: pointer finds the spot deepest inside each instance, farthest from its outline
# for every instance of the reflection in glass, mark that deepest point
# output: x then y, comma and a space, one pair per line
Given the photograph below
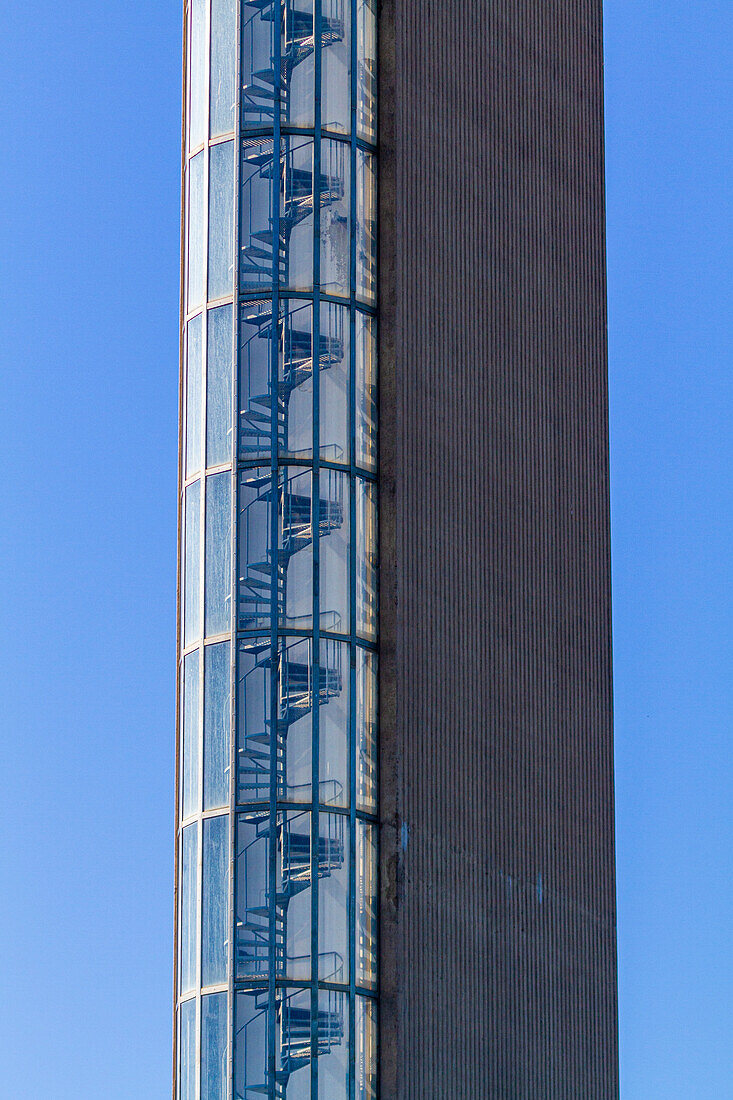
366, 730
190, 735
189, 907
197, 75
366, 1049
217, 703
366, 390
366, 904
219, 386
333, 900
193, 395
195, 240
366, 559
187, 1051
218, 554
366, 230
335, 217
221, 219
192, 564
214, 1047
214, 929
223, 94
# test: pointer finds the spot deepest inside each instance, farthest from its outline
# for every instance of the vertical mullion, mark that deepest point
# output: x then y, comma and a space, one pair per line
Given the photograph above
352, 559
316, 522
274, 551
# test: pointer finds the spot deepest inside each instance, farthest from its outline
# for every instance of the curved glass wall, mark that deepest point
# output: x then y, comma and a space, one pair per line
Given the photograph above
277, 863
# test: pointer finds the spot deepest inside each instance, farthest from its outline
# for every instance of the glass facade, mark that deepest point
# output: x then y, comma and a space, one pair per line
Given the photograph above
277, 852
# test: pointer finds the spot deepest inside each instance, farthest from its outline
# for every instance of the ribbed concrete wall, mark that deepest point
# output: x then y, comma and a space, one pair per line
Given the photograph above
498, 971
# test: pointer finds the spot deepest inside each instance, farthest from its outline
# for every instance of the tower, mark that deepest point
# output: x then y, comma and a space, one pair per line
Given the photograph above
394, 867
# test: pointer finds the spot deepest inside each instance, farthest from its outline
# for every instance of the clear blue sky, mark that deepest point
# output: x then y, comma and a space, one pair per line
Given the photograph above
89, 97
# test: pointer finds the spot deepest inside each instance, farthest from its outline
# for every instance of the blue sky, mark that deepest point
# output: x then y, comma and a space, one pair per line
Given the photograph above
89, 96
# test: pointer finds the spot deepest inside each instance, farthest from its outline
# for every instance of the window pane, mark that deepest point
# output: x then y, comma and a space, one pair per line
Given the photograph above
197, 82
333, 898
217, 720
214, 1047
189, 907
295, 376
187, 1051
255, 399
366, 391
256, 560
251, 1043
334, 550
366, 1049
366, 81
193, 396
366, 730
258, 93
366, 904
336, 67
295, 574
219, 386
333, 732
294, 884
192, 564
190, 802
218, 554
252, 913
366, 559
256, 267
195, 231
223, 65
254, 705
221, 219
366, 229
296, 201
335, 217
298, 62
334, 383
333, 1046
215, 900
295, 720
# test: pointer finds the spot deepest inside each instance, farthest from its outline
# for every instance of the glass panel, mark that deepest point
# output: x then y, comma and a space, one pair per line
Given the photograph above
250, 1045
296, 213
252, 900
334, 550
333, 1046
255, 400
197, 91
187, 1051
293, 1042
217, 720
333, 729
336, 66
192, 564
256, 224
195, 250
366, 80
295, 377
295, 572
190, 801
295, 721
335, 217
256, 560
214, 1047
189, 907
366, 1049
214, 933
366, 391
366, 229
297, 65
254, 707
218, 553
334, 383
193, 395
222, 109
219, 386
333, 898
366, 559
258, 85
366, 730
221, 219
366, 904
